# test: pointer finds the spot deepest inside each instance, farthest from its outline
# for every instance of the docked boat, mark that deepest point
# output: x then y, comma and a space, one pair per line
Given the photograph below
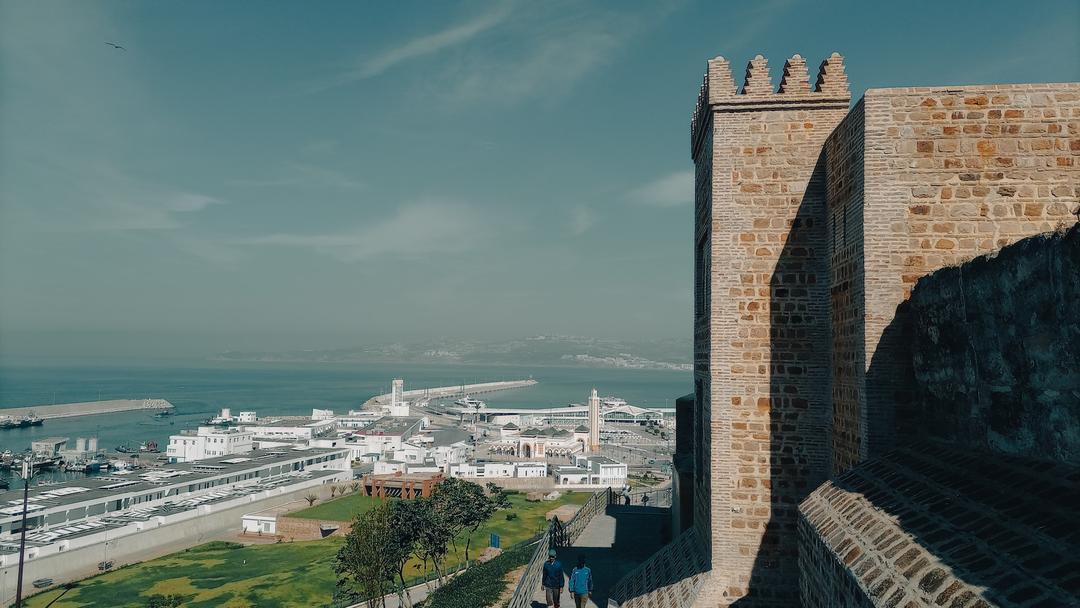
31, 420
7, 422
149, 447
469, 403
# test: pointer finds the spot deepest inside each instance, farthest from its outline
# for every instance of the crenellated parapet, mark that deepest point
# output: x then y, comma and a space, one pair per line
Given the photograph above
718, 92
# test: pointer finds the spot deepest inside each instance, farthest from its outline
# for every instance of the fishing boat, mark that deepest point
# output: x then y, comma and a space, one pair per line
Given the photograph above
7, 422
31, 420
149, 447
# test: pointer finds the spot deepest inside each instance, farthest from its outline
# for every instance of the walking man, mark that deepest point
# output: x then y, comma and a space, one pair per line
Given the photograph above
552, 580
581, 583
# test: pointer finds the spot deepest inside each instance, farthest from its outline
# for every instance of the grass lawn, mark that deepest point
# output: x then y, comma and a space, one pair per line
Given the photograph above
345, 508
283, 575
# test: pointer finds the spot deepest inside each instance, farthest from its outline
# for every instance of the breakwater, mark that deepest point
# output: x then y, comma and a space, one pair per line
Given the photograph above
442, 392
87, 408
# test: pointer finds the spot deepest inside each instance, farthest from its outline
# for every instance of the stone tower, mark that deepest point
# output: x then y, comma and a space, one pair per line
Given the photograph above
761, 319
594, 422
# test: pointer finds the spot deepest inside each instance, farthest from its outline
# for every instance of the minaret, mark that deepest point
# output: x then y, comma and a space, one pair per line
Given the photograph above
594, 423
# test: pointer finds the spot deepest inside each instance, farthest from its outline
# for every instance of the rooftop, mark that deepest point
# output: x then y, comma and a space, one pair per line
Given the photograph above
89, 488
390, 425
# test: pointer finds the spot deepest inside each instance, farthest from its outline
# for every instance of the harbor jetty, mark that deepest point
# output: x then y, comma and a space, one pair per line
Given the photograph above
442, 392
87, 408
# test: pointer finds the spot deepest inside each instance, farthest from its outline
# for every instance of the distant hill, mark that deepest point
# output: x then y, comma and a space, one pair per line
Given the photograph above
534, 350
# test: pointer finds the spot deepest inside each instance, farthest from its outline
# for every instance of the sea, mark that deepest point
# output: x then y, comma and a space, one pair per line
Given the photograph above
201, 388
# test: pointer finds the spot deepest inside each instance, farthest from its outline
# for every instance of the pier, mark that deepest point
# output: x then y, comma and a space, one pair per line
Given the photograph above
442, 392
87, 408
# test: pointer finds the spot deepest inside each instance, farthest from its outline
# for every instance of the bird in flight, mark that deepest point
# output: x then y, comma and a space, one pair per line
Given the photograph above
116, 46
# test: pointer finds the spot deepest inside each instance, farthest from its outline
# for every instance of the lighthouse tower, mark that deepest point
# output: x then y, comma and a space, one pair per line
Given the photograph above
594, 422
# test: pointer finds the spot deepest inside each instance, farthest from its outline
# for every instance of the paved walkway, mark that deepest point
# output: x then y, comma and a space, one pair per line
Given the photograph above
613, 543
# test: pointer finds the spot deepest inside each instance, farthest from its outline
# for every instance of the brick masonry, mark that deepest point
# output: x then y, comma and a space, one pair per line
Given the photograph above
929, 525
761, 318
923, 178
812, 225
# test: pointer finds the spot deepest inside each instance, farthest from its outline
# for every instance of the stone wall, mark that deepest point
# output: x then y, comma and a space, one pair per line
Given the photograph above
992, 348
930, 524
947, 174
761, 327
995, 346
299, 528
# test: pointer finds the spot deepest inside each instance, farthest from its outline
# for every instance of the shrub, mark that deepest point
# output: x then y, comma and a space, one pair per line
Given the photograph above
480, 586
511, 516
215, 545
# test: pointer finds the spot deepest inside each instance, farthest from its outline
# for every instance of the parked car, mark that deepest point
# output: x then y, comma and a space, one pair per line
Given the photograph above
103, 566
42, 583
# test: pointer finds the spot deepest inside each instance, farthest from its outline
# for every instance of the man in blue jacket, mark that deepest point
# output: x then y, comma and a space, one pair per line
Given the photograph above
552, 579
581, 583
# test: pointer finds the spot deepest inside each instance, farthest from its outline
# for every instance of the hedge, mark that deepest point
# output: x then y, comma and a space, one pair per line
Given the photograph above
481, 585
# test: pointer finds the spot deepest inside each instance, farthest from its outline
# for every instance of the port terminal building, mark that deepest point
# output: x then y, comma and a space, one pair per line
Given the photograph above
117, 510
573, 415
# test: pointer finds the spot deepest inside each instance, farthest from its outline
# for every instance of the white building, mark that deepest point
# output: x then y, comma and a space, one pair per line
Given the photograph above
498, 469
290, 429
88, 511
247, 417
317, 414
531, 469
208, 442
253, 523
387, 434
358, 419
593, 470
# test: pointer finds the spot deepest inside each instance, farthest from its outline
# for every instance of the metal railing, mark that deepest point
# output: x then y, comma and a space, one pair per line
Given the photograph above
659, 497
559, 535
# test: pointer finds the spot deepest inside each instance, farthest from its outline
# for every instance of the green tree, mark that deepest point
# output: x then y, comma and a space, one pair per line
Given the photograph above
311, 498
466, 506
433, 533
364, 565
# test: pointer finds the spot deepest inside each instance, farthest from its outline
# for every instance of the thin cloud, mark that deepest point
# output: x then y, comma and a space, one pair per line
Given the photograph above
668, 191
581, 220
416, 230
425, 45
545, 50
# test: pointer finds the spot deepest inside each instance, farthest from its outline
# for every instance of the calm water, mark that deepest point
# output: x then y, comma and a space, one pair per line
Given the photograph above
200, 388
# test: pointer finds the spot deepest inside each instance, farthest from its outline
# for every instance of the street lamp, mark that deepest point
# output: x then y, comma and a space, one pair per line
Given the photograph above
27, 473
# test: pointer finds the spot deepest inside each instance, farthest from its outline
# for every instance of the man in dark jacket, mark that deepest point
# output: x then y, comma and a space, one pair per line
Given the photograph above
552, 579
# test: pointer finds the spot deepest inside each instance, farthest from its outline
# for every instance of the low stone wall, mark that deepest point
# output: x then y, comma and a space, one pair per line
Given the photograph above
995, 347
298, 528
516, 483
933, 525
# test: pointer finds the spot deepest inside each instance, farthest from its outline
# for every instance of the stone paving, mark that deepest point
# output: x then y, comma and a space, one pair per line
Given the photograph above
614, 543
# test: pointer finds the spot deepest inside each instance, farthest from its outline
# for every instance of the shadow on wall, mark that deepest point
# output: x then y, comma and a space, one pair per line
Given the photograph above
798, 401
982, 368
984, 356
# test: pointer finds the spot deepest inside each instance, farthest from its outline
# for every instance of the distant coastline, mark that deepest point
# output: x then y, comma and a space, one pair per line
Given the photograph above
539, 351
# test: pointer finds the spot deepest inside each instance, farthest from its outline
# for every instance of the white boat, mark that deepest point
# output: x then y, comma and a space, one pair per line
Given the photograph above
469, 403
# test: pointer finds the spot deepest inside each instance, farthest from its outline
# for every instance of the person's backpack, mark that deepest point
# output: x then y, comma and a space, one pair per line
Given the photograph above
579, 580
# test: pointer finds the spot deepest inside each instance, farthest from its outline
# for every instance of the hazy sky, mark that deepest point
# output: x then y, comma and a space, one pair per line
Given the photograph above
286, 174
